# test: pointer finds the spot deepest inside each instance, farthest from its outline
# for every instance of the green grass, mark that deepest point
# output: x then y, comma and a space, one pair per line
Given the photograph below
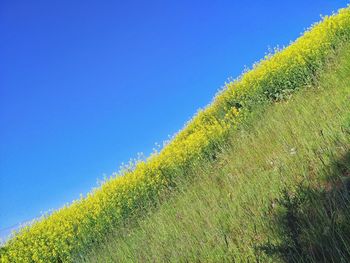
278, 191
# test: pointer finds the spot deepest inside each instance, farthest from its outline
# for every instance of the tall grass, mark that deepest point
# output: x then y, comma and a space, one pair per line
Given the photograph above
279, 191
73, 230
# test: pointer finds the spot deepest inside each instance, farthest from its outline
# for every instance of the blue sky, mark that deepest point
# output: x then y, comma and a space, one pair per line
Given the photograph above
85, 85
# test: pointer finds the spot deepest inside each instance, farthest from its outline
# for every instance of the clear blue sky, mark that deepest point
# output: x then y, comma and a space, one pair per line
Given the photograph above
85, 85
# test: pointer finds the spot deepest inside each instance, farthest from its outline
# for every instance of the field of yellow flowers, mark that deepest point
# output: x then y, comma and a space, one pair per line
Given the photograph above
70, 232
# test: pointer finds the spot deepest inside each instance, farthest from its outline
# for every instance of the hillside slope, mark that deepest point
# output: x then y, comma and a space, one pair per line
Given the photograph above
73, 231
280, 190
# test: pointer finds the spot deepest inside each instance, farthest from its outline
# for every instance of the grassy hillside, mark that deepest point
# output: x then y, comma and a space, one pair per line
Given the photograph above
279, 191
73, 231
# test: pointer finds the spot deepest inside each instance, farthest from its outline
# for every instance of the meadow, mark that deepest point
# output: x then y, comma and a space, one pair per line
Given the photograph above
279, 191
212, 152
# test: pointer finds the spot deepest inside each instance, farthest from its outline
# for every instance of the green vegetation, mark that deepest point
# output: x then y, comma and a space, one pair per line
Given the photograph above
121, 202
279, 191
